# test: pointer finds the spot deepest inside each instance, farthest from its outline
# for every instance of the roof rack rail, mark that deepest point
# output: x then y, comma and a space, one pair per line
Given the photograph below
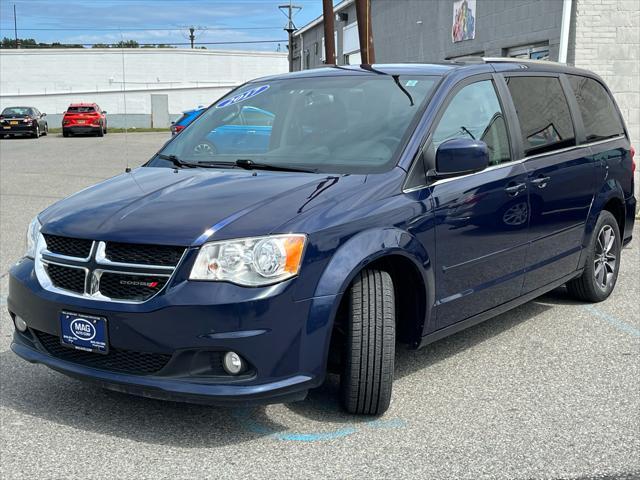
467, 59
517, 60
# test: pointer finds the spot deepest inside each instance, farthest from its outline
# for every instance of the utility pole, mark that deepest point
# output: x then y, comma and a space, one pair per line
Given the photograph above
365, 33
191, 34
290, 11
329, 38
15, 26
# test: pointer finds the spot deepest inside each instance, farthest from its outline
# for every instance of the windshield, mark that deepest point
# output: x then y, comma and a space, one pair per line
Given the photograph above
21, 111
343, 124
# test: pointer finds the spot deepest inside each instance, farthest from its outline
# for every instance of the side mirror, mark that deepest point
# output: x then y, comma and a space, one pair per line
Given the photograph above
44, 114
104, 111
461, 156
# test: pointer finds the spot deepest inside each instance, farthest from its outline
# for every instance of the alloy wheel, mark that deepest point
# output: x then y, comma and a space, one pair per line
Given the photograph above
605, 257
516, 214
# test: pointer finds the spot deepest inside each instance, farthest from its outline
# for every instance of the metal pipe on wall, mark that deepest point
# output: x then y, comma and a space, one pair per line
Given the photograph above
565, 26
365, 32
329, 38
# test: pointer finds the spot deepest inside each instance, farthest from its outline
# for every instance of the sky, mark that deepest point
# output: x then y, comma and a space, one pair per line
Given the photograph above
155, 21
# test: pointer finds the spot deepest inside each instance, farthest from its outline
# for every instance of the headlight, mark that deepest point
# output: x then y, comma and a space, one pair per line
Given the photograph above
250, 261
32, 237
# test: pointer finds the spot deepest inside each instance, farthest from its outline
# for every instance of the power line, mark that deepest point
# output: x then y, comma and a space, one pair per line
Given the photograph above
112, 29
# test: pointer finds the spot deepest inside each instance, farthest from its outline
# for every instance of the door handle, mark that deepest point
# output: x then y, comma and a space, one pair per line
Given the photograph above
541, 182
514, 190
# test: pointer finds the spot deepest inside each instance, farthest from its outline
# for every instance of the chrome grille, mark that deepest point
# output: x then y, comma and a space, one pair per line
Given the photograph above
67, 278
131, 287
70, 247
167, 256
120, 272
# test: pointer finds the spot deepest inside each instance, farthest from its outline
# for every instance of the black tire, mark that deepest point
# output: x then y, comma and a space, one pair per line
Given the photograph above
602, 266
36, 132
46, 129
101, 132
367, 376
65, 133
105, 128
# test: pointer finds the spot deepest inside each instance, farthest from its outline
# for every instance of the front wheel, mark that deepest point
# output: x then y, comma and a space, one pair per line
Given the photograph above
603, 262
367, 376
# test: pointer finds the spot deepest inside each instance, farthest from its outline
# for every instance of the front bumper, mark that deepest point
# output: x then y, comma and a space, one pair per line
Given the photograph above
284, 341
181, 390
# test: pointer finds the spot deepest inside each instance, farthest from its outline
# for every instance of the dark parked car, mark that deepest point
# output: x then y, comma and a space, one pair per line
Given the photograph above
394, 203
19, 121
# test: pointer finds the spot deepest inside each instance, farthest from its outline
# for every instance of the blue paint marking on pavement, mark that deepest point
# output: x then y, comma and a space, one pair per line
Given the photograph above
246, 420
392, 423
617, 323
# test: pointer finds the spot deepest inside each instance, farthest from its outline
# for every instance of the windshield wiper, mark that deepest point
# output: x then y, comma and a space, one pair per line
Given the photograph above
249, 164
205, 164
176, 161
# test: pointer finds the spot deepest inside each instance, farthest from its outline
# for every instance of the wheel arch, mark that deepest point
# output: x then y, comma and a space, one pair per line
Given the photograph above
389, 249
609, 198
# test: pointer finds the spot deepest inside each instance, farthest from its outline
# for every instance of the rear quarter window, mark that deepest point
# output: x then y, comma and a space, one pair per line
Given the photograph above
599, 114
543, 112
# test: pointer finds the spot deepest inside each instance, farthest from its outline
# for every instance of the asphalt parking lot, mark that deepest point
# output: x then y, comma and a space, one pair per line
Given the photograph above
548, 390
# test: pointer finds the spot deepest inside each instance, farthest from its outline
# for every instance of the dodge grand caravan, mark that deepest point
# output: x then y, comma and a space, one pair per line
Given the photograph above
391, 204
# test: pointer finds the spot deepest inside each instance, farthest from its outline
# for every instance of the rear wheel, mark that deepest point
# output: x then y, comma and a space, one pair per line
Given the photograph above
603, 262
101, 131
105, 128
367, 376
65, 133
46, 129
36, 133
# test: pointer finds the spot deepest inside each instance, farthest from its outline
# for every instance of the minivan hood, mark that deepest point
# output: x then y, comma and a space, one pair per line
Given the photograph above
183, 207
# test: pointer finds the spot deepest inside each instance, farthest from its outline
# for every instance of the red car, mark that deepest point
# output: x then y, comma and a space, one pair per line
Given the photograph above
84, 118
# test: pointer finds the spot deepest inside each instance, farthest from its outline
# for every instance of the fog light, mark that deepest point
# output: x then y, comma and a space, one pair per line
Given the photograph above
233, 364
20, 324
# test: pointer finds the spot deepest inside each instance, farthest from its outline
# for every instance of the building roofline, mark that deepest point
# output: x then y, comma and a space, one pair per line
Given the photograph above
319, 20
140, 51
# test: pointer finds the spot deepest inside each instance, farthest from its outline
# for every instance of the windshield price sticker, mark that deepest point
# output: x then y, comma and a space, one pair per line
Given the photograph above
242, 96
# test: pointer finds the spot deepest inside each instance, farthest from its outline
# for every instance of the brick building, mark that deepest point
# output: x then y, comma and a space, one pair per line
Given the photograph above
599, 35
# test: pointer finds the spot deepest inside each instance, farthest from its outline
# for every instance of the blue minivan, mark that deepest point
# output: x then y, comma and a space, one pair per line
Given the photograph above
392, 204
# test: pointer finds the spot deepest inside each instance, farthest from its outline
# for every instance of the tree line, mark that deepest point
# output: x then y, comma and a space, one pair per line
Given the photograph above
32, 43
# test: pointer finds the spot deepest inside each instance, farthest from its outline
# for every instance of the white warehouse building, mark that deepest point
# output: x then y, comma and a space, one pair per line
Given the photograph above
151, 85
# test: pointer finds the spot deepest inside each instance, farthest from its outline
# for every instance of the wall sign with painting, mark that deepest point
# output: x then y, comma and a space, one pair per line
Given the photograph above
464, 20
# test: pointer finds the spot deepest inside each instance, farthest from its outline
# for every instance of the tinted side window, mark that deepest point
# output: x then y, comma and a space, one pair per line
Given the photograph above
543, 112
474, 112
599, 115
